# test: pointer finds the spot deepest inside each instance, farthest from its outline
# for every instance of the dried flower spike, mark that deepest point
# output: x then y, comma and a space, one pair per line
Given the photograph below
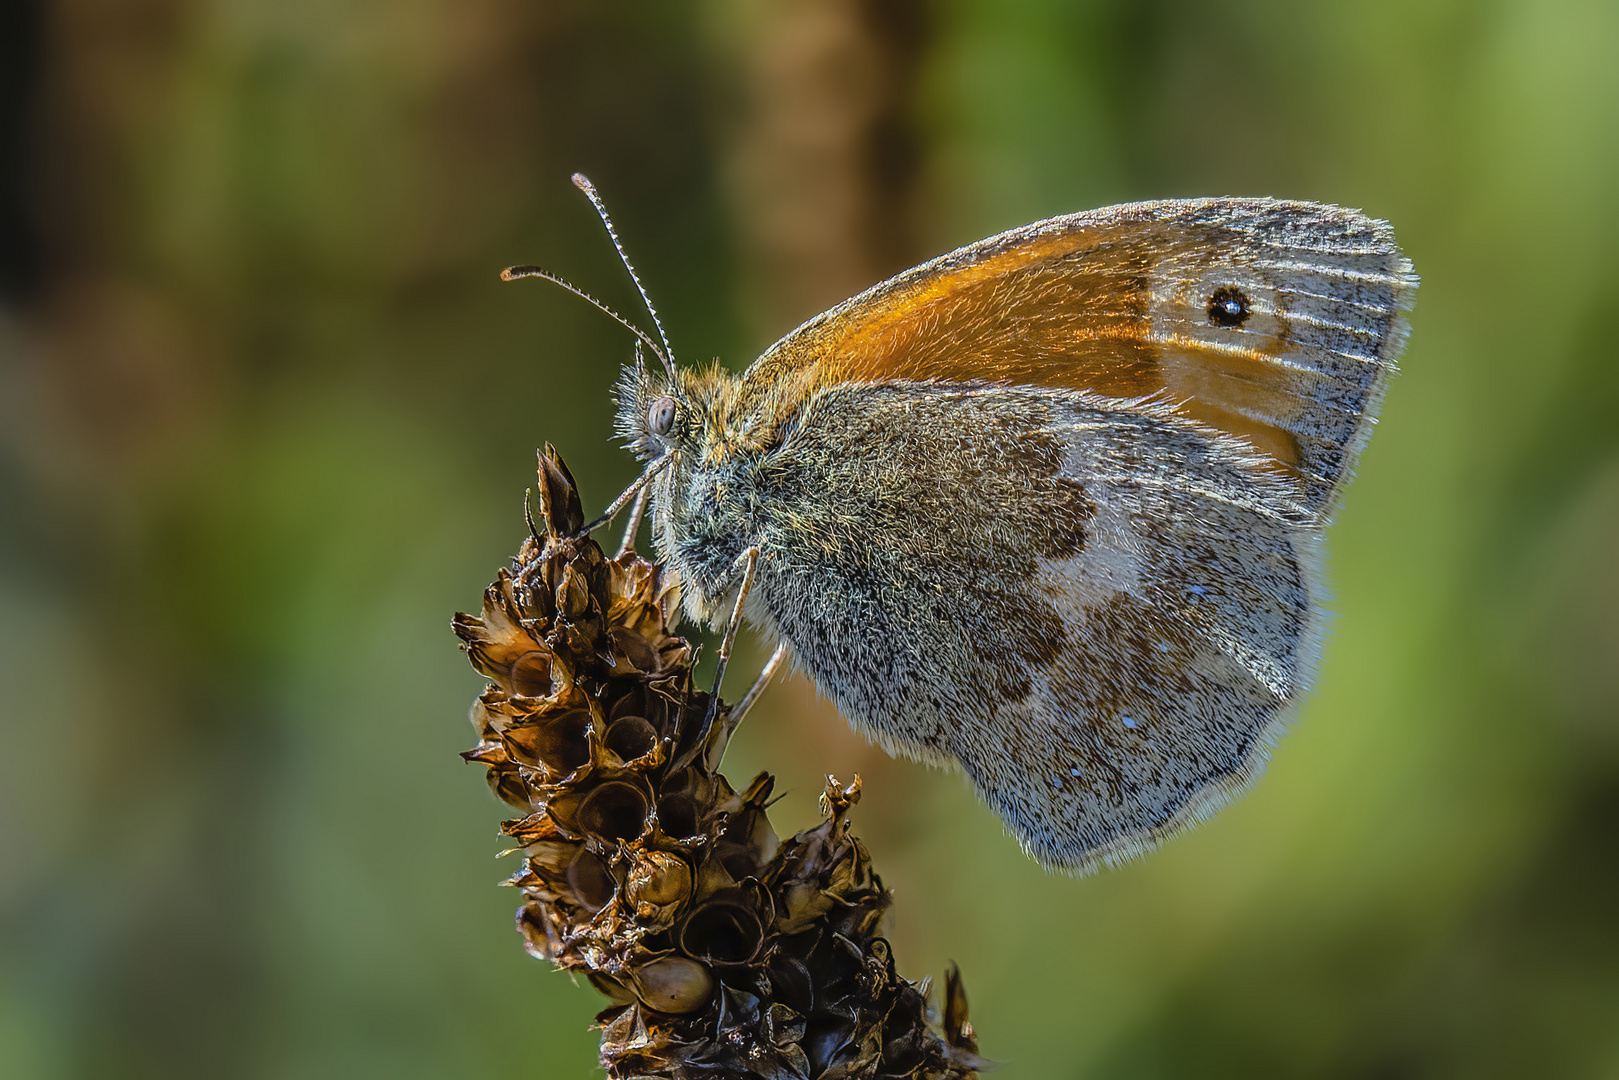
727, 953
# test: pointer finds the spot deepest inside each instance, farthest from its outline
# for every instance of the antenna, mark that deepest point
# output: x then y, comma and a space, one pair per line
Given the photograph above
584, 185
512, 273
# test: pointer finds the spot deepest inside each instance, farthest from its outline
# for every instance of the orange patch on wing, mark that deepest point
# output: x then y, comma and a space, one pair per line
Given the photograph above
1051, 311
1069, 309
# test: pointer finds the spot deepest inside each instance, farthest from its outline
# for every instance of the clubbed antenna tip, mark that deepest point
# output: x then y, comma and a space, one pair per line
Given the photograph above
581, 182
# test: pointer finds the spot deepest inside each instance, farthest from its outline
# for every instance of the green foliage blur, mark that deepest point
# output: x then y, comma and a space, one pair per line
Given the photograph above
267, 417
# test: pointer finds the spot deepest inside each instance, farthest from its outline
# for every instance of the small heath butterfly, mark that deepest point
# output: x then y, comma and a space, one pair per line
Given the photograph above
1048, 509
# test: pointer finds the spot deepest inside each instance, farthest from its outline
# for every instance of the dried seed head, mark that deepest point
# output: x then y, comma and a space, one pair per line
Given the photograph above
724, 950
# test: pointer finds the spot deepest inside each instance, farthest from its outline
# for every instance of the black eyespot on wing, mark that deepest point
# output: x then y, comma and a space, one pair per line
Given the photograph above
1229, 307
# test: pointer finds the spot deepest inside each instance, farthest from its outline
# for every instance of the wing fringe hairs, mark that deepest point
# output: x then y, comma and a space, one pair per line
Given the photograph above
726, 952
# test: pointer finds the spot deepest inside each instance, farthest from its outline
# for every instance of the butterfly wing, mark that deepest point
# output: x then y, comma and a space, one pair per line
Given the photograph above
1100, 611
1277, 322
1050, 507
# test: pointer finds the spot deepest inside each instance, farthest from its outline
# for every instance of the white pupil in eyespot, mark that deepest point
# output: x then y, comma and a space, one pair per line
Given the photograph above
661, 416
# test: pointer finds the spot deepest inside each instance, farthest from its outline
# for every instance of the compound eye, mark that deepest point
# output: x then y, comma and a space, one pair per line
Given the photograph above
660, 418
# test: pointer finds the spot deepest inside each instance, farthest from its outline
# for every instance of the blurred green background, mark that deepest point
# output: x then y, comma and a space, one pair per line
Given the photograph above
266, 419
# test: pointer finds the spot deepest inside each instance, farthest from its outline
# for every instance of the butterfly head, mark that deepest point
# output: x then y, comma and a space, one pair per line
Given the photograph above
651, 411
686, 413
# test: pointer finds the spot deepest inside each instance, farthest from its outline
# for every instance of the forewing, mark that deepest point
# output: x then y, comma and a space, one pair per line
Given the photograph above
1277, 322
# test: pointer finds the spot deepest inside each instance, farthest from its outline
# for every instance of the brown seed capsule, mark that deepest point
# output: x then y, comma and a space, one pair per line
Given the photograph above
727, 928
673, 984
631, 738
540, 938
636, 651
537, 674
495, 638
677, 816
559, 495
657, 884
614, 811
532, 829
573, 595
561, 743
591, 883
802, 904
551, 858
629, 699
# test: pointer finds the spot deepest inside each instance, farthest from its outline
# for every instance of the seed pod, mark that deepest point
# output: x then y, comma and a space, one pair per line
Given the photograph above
540, 937
496, 637
589, 880
656, 887
630, 738
550, 859
677, 816
613, 812
559, 495
635, 651
573, 595
539, 674
558, 743
727, 928
673, 984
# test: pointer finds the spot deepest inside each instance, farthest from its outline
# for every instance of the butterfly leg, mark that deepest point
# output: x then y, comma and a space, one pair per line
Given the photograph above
740, 709
766, 673
631, 492
634, 525
618, 504
746, 562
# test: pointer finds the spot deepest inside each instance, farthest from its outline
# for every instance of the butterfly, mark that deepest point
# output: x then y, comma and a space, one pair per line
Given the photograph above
1050, 508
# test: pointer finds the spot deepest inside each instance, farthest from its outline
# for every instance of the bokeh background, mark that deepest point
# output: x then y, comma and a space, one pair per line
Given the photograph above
267, 416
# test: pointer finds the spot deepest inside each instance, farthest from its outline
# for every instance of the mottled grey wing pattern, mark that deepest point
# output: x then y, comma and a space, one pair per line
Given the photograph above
1190, 626
1099, 612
